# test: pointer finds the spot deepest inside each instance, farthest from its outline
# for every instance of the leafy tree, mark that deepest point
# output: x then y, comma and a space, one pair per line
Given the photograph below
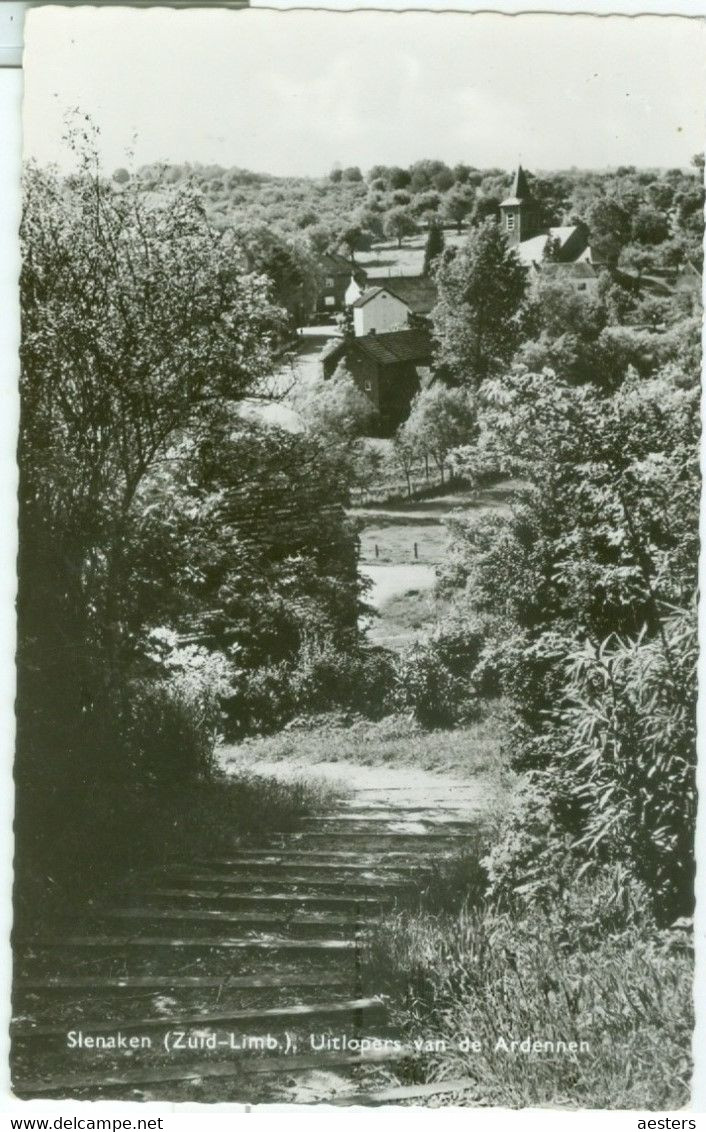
457, 205
476, 320
440, 420
610, 225
650, 226
552, 249
399, 223
354, 237
352, 173
433, 248
138, 318
405, 455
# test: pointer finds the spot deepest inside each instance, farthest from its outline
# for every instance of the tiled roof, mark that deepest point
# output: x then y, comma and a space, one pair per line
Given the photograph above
395, 346
337, 264
579, 270
532, 251
417, 291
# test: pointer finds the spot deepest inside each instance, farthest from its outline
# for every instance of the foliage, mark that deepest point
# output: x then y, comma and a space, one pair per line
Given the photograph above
476, 320
432, 688
595, 571
399, 223
591, 966
433, 248
440, 420
138, 317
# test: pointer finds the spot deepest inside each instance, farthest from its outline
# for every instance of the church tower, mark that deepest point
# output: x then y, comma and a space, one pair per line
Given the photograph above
519, 215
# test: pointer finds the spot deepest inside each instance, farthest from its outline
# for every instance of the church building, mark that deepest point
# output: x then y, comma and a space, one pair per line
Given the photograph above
569, 254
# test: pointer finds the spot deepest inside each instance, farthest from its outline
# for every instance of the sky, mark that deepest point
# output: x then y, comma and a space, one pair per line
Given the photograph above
296, 92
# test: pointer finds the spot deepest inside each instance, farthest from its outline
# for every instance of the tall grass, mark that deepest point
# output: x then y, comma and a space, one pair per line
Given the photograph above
584, 972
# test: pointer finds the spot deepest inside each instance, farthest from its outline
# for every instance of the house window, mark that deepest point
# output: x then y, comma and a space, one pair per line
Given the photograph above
330, 281
368, 387
581, 287
329, 301
510, 221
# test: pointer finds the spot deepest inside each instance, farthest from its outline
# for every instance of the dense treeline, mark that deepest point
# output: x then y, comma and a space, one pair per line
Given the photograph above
640, 219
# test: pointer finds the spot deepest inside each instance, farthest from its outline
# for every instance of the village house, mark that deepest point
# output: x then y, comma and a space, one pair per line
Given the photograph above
417, 292
389, 368
336, 274
378, 309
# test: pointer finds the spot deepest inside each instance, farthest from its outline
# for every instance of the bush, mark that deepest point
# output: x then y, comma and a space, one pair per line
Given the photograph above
324, 676
424, 684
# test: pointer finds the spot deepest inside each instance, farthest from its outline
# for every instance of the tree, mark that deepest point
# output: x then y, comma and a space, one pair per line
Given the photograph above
355, 237
426, 205
650, 225
440, 420
610, 224
288, 263
405, 455
476, 320
334, 410
399, 223
352, 173
139, 318
433, 248
552, 249
457, 205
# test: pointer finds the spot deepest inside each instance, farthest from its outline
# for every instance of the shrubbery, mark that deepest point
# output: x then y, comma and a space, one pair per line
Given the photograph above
588, 590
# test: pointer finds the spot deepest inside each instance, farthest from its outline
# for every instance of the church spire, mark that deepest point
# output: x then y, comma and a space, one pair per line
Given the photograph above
518, 210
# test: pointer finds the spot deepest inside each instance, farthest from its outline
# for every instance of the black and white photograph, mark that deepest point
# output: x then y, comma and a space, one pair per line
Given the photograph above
358, 540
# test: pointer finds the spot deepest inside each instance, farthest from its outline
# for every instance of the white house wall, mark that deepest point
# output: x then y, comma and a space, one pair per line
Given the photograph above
382, 313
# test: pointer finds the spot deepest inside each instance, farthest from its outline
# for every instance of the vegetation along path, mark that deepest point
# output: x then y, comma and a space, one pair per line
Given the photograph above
251, 967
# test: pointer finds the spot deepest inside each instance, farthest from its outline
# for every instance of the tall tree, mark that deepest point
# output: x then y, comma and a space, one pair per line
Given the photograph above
434, 247
476, 320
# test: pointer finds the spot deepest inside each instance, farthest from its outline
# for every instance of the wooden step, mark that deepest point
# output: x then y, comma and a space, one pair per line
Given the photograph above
184, 982
366, 902
254, 1014
242, 1066
404, 1092
262, 944
303, 865
207, 916
359, 856
229, 880
418, 817
451, 838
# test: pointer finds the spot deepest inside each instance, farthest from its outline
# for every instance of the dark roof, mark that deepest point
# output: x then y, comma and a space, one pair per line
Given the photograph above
520, 189
337, 264
395, 346
580, 270
417, 291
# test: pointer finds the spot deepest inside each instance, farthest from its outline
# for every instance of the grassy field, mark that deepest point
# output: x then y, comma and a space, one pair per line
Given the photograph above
386, 258
467, 751
394, 528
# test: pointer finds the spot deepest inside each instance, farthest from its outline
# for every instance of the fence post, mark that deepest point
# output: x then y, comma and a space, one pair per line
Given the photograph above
416, 551
377, 550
